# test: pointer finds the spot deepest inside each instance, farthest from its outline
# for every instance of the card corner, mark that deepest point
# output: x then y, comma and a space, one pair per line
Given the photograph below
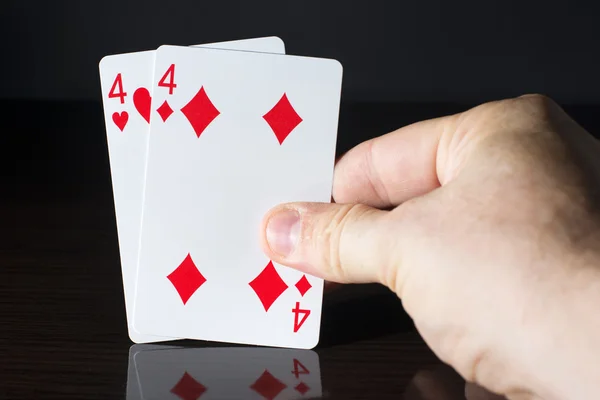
163, 48
103, 61
337, 64
311, 345
166, 47
278, 40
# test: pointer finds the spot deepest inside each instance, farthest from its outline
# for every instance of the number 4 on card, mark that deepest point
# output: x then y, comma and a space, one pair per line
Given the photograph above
116, 91
170, 76
297, 311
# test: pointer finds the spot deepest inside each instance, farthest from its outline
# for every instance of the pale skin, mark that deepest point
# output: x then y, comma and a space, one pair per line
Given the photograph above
486, 224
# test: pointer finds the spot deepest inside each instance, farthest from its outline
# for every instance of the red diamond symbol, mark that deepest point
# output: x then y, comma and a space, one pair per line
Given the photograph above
188, 388
302, 388
165, 111
268, 386
186, 279
200, 111
303, 285
282, 118
268, 286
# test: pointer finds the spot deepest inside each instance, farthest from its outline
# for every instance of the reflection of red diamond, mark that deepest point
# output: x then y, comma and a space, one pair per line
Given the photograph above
302, 388
188, 388
282, 118
268, 286
200, 111
303, 285
165, 111
186, 279
268, 386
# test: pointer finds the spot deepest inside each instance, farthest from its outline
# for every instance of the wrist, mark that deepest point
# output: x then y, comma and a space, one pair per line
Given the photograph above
568, 341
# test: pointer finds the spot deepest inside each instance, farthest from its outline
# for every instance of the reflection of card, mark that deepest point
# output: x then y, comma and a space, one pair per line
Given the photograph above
126, 92
133, 384
226, 373
232, 135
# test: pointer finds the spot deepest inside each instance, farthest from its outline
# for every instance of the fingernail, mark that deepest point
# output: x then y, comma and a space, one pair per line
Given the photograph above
283, 230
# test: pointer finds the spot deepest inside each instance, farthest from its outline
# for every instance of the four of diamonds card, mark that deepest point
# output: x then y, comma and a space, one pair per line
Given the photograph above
203, 141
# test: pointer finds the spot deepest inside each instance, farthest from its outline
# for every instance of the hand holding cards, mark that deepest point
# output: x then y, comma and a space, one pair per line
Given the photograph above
203, 141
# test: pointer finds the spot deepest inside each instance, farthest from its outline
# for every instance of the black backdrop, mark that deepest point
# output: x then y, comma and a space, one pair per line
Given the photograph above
407, 51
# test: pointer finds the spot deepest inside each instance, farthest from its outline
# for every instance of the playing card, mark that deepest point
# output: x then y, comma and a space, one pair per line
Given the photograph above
224, 373
126, 81
232, 135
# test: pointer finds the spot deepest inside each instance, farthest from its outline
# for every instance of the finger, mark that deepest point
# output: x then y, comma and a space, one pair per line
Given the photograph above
340, 243
388, 170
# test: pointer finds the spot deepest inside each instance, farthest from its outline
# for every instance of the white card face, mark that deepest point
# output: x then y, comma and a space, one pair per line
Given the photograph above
224, 373
215, 167
126, 81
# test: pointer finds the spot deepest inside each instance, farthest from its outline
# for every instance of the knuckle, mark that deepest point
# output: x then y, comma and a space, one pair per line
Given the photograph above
531, 113
394, 274
537, 100
374, 177
535, 105
330, 241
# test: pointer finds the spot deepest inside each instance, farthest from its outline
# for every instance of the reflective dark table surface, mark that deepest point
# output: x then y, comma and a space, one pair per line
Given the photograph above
62, 317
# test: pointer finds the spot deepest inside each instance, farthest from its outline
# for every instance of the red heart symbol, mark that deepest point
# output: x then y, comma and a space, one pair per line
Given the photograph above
120, 119
142, 102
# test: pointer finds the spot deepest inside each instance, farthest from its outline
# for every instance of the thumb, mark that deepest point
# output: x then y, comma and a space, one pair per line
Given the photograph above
345, 243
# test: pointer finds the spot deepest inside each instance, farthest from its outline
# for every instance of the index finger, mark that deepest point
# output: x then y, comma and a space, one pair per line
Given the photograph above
388, 170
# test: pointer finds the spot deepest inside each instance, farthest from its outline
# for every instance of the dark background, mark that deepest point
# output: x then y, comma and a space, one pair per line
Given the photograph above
428, 50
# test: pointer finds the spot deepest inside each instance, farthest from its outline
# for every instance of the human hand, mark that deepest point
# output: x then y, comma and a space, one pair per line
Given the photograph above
486, 225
